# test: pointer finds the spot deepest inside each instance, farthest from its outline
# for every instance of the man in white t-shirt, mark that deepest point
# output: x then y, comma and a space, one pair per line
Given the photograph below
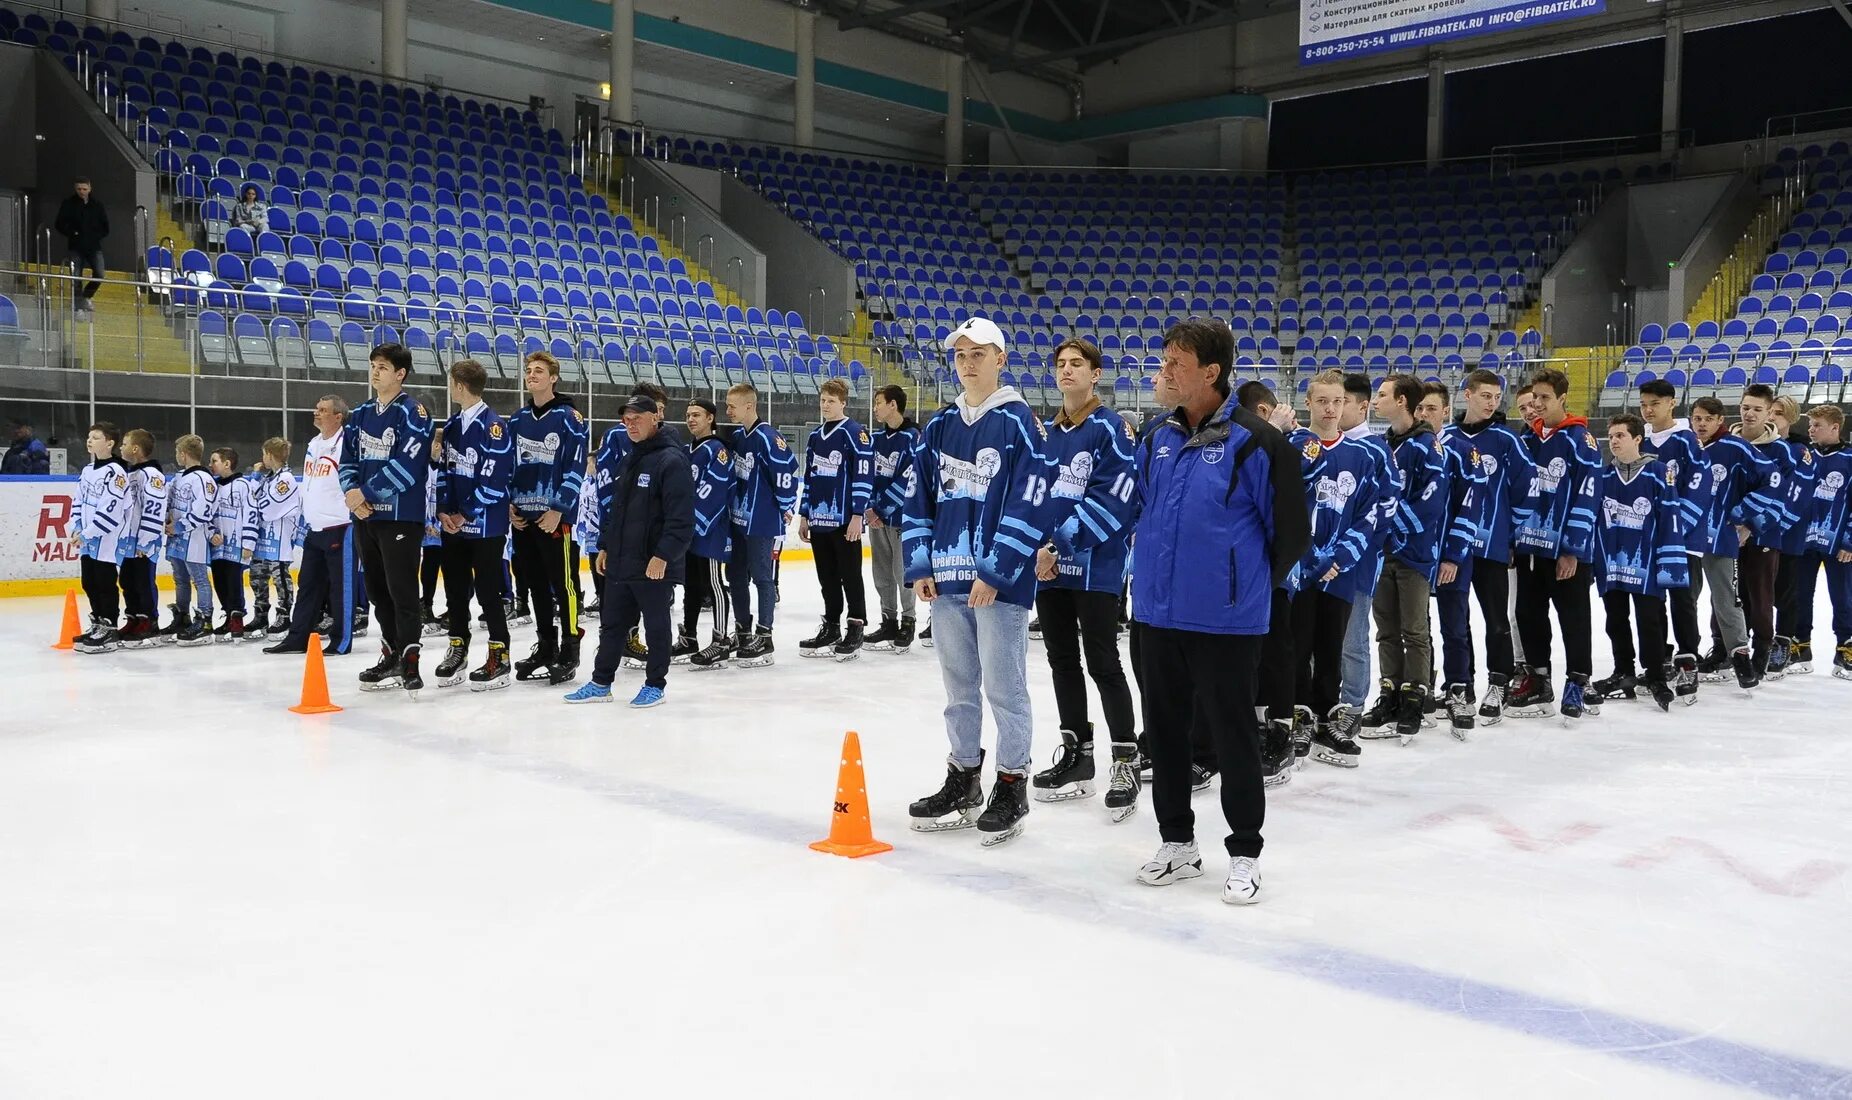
329, 559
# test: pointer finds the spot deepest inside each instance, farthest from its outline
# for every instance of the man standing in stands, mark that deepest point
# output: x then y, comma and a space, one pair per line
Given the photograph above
84, 224
1212, 474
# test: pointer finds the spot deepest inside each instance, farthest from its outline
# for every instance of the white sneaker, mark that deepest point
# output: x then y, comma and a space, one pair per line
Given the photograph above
1243, 885
1173, 863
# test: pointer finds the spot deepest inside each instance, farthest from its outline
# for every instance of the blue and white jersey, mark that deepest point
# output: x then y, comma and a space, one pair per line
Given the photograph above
433, 533
1798, 474
977, 501
1096, 470
279, 516
385, 452
234, 520
190, 498
839, 474
103, 514
1505, 468
149, 483
1828, 530
1740, 493
1388, 505
1641, 548
1466, 498
549, 459
1420, 524
590, 520
893, 450
712, 466
1343, 500
1677, 449
1558, 518
472, 480
764, 481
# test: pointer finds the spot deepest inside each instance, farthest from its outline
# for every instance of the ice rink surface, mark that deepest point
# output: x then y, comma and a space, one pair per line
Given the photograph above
497, 895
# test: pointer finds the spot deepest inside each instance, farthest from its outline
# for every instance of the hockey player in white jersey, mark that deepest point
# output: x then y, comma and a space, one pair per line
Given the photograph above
278, 500
103, 521
148, 487
190, 497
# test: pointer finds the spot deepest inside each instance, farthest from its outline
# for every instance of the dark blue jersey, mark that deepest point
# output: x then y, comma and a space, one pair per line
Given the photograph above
839, 474
764, 481
1420, 524
549, 459
1678, 451
1097, 473
1466, 498
711, 463
1505, 465
1829, 530
1740, 494
1641, 548
1343, 495
385, 453
1558, 518
472, 481
893, 450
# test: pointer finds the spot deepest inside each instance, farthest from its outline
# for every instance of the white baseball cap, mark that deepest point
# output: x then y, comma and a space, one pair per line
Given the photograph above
981, 330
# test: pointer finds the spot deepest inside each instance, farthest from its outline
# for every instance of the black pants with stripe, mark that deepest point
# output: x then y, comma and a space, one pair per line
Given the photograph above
543, 563
707, 577
329, 578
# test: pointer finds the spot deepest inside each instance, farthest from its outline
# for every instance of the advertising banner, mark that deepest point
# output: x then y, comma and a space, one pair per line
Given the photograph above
1336, 30
35, 534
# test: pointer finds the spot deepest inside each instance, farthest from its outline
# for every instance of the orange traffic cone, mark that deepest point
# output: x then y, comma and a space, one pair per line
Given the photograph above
68, 632
850, 832
314, 682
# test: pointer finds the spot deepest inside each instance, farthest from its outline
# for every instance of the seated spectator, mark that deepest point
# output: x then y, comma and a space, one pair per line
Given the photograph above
27, 455
250, 212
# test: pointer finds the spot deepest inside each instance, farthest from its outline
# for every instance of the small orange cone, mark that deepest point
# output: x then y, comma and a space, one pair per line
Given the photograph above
850, 832
314, 682
67, 633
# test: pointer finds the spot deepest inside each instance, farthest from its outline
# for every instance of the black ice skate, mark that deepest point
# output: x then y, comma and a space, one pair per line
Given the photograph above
1276, 753
1305, 727
1408, 715
1800, 659
955, 805
100, 638
903, 640
1842, 661
565, 667
1492, 708
754, 649
1776, 666
1201, 778
882, 637
429, 623
384, 675
1335, 740
926, 636
450, 671
537, 664
715, 656
1009, 804
1576, 700
636, 654
1685, 678
1122, 793
1743, 662
1071, 777
1378, 723
193, 633
1660, 687
850, 647
1714, 668
822, 643
1460, 714
409, 677
683, 650
1616, 688
1532, 696
494, 672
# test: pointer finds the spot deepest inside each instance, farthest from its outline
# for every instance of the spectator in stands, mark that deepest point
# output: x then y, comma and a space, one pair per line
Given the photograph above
27, 455
84, 224
250, 212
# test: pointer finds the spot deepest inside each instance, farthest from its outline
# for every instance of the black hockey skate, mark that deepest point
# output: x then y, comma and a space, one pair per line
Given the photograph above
882, 637
1576, 700
1492, 708
1714, 668
1460, 716
1660, 686
683, 650
1009, 804
1201, 778
1685, 678
926, 636
1409, 714
903, 640
450, 671
1071, 776
955, 805
1743, 662
1800, 659
409, 677
1842, 661
1616, 688
1532, 696
193, 633
1776, 666
822, 643
1035, 629
537, 664
494, 672
1276, 753
715, 656
753, 649
1378, 723
280, 625
1122, 793
1305, 728
850, 647
636, 654
429, 623
384, 675
565, 667
1335, 740
100, 638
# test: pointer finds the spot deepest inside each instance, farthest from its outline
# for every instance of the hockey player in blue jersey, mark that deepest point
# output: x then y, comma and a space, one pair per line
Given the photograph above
1358, 396
1415, 542
1670, 439
431, 550
1505, 472
1758, 559
189, 520
103, 531
148, 486
711, 464
1739, 501
550, 437
1462, 535
1081, 569
1828, 520
1343, 492
976, 499
473, 515
839, 479
233, 540
385, 451
1639, 556
764, 497
895, 433
1797, 495
1555, 541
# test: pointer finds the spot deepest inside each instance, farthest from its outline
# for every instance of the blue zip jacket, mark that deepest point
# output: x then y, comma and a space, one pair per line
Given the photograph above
1421, 522
1343, 499
764, 481
549, 459
1677, 449
977, 500
1224, 522
840, 474
1641, 548
712, 466
1097, 471
1740, 493
385, 451
472, 481
893, 450
1559, 516
1828, 530
1506, 467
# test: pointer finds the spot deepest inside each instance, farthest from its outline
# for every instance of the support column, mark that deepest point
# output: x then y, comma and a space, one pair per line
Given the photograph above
623, 60
392, 34
1673, 88
1437, 112
108, 11
804, 98
954, 110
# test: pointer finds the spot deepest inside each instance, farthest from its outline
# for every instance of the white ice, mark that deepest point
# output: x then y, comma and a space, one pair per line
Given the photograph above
204, 895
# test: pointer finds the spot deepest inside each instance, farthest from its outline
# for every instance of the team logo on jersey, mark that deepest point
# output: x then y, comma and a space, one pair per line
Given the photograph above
780, 440
1588, 437
495, 431
576, 414
959, 479
420, 407
1619, 513
825, 463
1313, 448
1213, 452
1671, 477
1829, 485
1071, 482
721, 455
864, 437
155, 481
1488, 463
1477, 461
1806, 458
1335, 493
743, 464
1549, 477
537, 450
377, 448
121, 482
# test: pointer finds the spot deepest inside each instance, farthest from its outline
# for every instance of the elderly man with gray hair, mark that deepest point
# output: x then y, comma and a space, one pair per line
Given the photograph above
329, 558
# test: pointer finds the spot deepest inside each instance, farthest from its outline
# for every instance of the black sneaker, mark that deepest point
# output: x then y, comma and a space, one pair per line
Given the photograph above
450, 671
822, 643
1335, 741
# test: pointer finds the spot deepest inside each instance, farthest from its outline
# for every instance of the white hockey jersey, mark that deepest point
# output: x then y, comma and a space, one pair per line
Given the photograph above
149, 484
279, 510
104, 515
190, 497
234, 520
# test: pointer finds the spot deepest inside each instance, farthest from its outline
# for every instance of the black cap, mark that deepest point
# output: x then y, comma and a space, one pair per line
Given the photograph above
641, 403
704, 403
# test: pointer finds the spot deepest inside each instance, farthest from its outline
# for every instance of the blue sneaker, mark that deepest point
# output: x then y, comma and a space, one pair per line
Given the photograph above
647, 696
591, 692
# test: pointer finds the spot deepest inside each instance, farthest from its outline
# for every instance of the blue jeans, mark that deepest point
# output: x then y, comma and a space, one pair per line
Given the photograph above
751, 561
190, 576
1356, 688
984, 650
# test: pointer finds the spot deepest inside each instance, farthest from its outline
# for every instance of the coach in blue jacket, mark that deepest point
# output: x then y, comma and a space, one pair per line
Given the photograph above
1224, 522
